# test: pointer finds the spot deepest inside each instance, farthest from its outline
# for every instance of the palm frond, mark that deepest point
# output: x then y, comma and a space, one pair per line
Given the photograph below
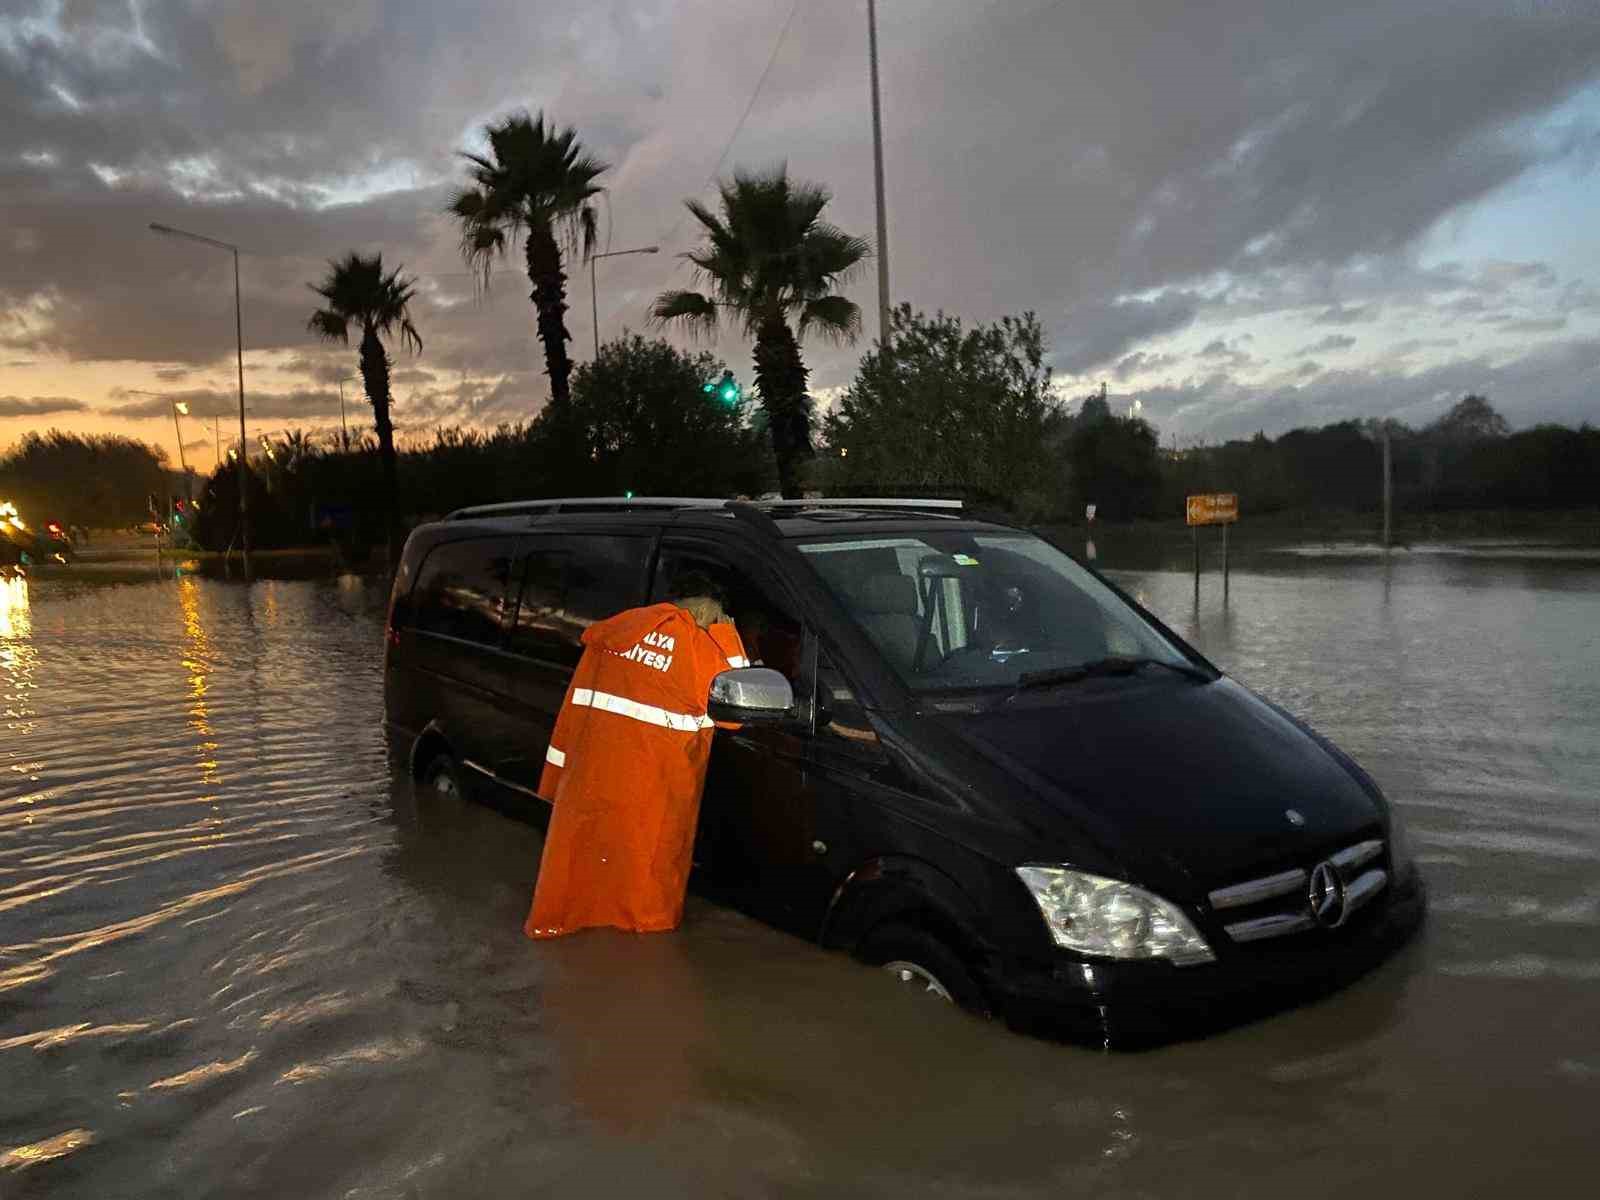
691, 310
329, 325
834, 318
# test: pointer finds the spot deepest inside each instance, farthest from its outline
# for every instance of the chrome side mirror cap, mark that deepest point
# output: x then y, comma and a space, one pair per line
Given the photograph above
751, 696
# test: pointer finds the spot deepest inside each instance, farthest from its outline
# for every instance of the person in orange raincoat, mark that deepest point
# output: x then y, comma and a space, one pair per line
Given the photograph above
626, 766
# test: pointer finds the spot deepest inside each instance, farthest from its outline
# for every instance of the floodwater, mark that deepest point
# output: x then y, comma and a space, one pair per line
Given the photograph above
238, 958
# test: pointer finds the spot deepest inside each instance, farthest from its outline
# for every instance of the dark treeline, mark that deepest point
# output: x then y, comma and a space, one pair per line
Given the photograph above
93, 480
950, 410
1467, 459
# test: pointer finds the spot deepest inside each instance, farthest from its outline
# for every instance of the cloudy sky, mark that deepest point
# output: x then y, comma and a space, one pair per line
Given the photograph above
1247, 215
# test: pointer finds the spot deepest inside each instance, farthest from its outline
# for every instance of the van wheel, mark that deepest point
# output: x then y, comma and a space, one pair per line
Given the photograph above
923, 963
442, 777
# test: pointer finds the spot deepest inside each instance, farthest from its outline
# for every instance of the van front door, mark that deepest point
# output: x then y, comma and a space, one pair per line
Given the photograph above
764, 841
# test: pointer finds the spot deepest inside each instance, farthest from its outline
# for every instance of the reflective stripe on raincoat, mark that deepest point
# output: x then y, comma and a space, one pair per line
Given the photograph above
624, 771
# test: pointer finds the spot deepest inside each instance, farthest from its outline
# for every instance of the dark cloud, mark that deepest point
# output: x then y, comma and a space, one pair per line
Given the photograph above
1096, 332
1340, 314
206, 403
1141, 362
1333, 343
1126, 173
1533, 324
38, 406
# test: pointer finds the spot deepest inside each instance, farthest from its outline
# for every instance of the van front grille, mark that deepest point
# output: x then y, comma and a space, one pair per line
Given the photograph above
1324, 895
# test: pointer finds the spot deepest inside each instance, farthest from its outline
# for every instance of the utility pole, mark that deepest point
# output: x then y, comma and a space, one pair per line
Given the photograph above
877, 172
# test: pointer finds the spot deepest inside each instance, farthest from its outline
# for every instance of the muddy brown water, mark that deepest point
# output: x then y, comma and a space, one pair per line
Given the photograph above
238, 958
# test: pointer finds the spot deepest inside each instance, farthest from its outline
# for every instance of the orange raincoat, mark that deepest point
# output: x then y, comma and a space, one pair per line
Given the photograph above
625, 769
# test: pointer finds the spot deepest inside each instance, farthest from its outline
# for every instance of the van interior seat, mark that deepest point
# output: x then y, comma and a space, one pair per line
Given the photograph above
887, 604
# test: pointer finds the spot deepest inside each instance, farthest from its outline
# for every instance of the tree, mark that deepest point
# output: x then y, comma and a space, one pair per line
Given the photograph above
951, 406
93, 480
769, 259
358, 292
538, 184
1113, 464
1470, 419
645, 424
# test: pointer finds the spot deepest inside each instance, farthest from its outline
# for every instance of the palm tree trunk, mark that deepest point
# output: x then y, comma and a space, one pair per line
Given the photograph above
375, 377
781, 376
549, 297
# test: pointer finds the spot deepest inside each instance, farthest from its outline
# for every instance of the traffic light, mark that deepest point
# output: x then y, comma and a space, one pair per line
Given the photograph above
726, 389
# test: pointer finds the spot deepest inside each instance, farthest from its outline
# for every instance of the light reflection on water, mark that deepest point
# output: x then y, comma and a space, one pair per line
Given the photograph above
237, 957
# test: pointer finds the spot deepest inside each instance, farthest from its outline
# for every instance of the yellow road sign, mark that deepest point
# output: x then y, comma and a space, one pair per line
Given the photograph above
1216, 508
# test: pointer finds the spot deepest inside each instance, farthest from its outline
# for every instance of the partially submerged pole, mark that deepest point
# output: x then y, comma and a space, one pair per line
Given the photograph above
1224, 560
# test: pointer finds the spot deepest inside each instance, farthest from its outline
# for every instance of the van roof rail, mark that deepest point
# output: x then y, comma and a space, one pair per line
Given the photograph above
518, 508
642, 503
868, 502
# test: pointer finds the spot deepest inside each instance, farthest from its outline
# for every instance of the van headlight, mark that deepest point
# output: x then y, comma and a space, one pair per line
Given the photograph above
1095, 915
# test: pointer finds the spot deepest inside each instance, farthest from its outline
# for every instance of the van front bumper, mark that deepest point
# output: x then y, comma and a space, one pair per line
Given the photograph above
1131, 1004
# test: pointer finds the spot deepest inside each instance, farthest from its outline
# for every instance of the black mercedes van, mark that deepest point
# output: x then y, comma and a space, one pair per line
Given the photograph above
979, 764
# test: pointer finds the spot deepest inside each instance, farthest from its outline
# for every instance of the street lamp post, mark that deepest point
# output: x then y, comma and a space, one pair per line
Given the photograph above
877, 176
178, 406
238, 329
343, 428
594, 302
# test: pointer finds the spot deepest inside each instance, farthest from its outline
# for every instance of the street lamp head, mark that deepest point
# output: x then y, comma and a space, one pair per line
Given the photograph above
182, 406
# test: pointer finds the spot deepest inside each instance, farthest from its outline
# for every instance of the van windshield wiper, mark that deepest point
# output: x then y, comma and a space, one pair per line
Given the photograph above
1114, 665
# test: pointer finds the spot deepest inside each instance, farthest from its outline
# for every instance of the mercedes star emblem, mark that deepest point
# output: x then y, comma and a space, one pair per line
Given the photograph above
1327, 896
1294, 816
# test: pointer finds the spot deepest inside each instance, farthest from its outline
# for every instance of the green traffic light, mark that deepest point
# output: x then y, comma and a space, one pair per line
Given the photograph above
730, 393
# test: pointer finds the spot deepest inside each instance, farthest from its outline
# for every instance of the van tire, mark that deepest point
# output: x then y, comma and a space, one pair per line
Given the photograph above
442, 778
925, 962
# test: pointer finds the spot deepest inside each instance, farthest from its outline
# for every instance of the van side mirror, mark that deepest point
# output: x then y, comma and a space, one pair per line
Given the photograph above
751, 696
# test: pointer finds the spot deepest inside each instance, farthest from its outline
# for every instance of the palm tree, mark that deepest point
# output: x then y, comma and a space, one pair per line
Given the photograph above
770, 259
537, 183
359, 293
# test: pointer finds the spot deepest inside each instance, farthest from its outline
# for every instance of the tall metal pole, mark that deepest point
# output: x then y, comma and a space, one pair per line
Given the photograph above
594, 308
216, 438
1388, 475
877, 170
244, 457
343, 427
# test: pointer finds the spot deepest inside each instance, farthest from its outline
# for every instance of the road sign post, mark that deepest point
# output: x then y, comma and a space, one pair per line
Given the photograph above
1214, 508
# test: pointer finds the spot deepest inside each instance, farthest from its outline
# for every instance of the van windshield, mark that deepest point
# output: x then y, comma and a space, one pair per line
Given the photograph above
963, 610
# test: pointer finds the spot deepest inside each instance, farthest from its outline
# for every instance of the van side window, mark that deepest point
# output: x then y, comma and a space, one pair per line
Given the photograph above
772, 636
461, 591
568, 584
